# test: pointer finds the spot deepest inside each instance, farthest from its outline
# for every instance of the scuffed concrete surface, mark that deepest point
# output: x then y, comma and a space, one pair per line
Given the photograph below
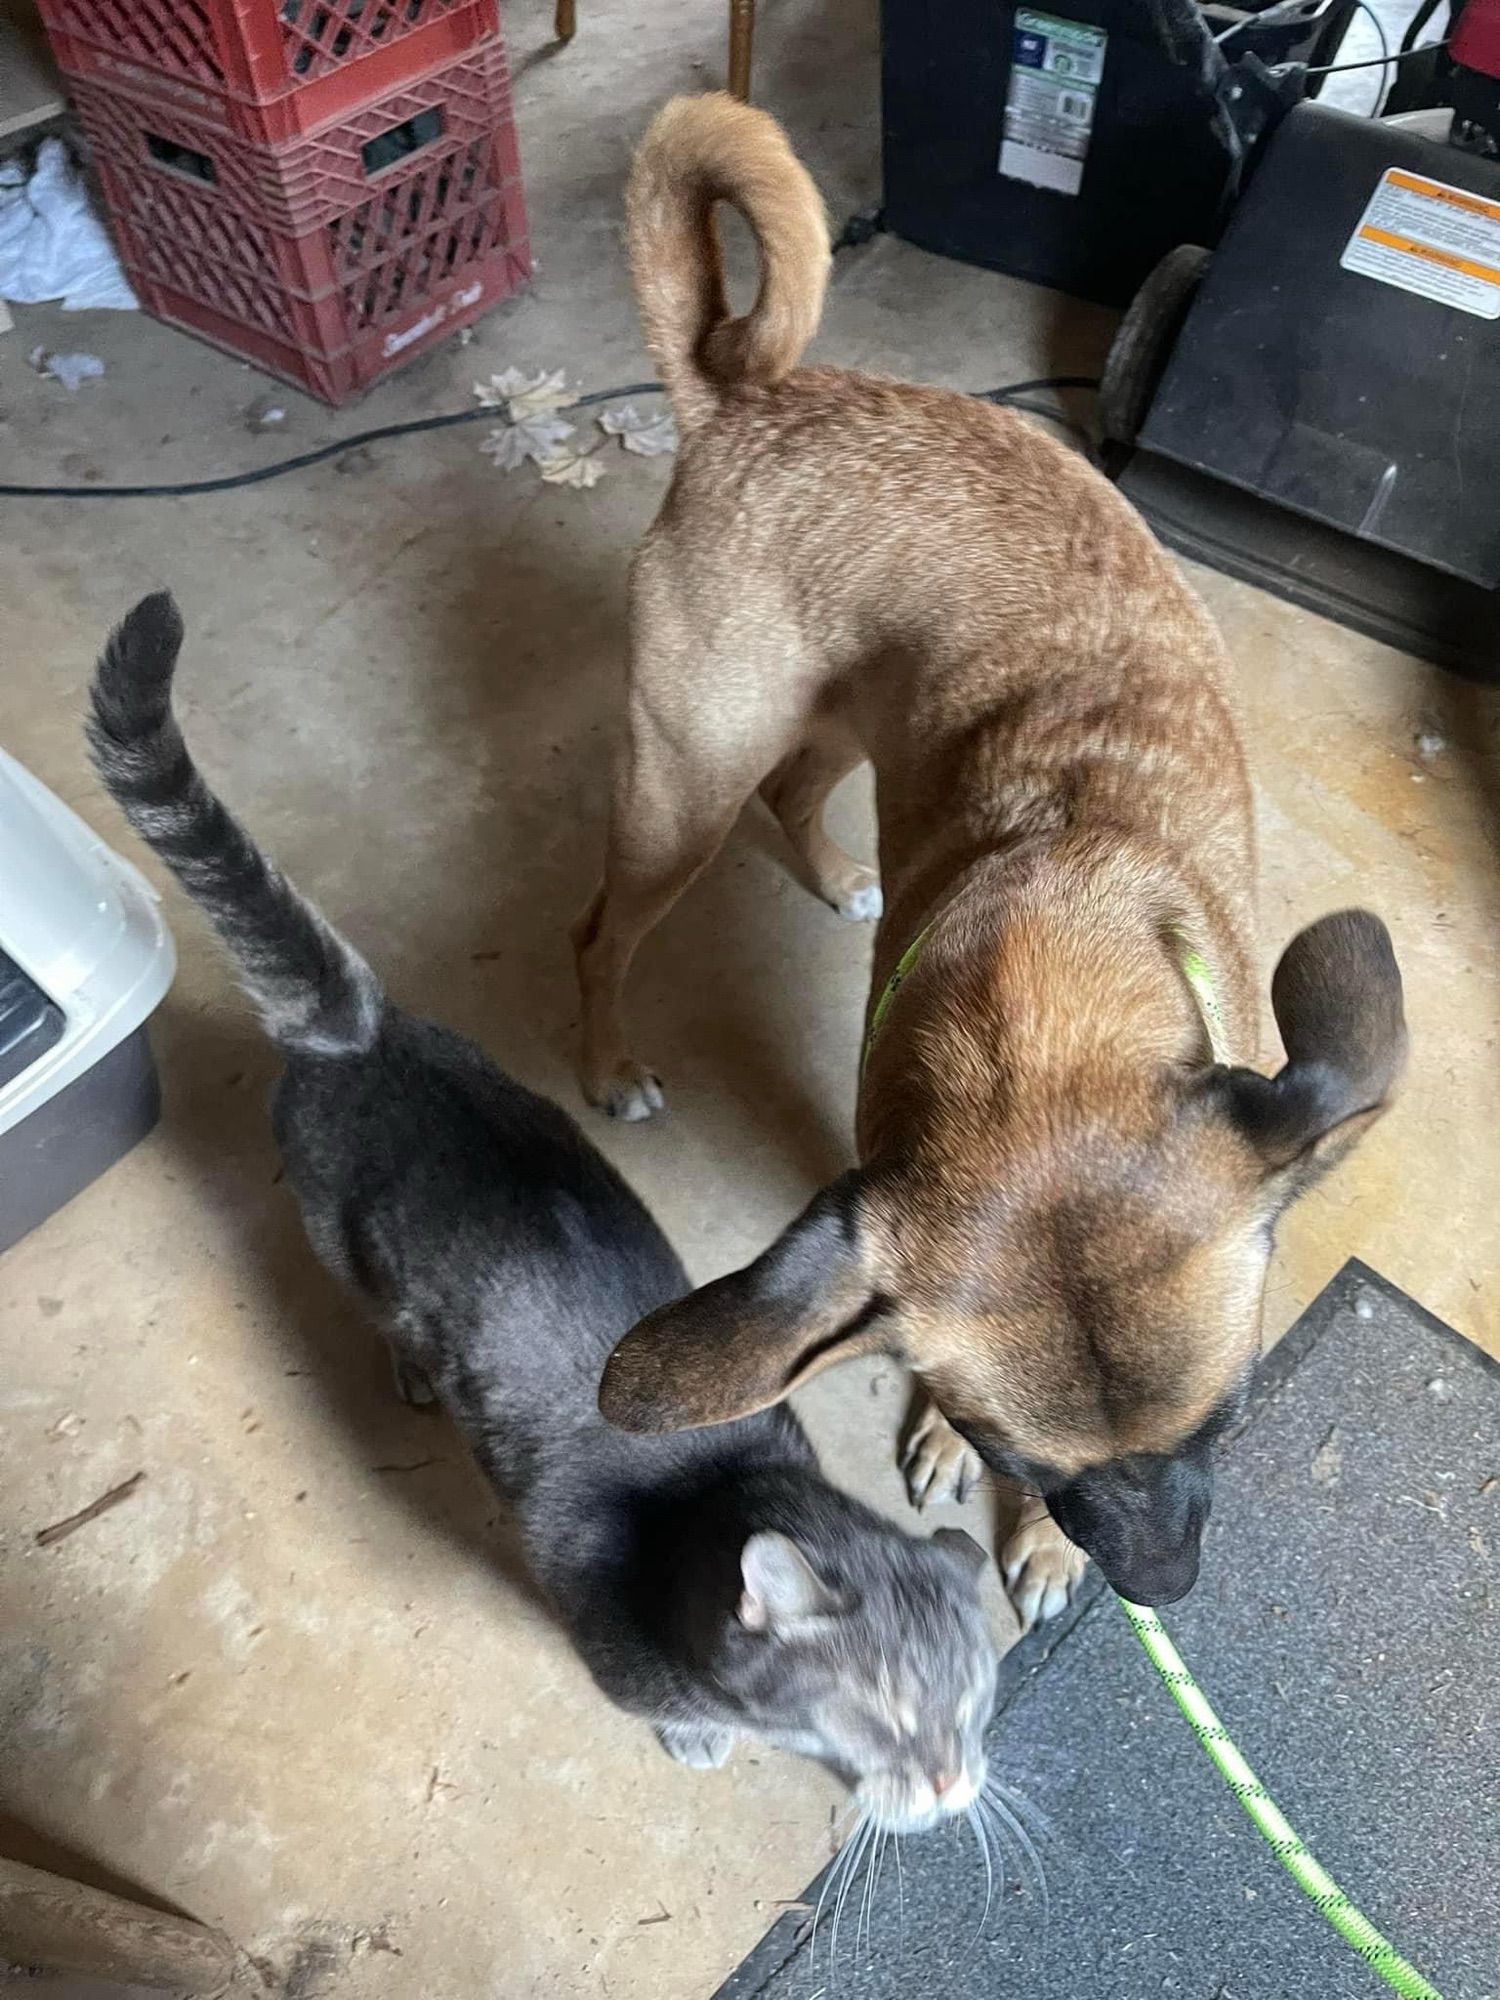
293, 1685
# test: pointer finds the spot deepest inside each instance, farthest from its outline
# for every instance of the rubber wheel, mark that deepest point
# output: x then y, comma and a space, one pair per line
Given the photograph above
1143, 341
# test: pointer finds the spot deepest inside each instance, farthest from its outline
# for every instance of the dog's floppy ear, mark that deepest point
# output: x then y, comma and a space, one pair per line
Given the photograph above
1337, 1000
745, 1341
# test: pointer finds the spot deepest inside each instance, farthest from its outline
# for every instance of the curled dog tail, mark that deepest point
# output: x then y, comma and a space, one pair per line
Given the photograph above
699, 151
315, 993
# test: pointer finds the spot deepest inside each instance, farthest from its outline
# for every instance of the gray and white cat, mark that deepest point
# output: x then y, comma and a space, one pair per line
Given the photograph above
712, 1581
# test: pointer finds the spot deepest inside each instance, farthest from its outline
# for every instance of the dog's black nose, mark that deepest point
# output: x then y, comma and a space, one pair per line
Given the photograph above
1142, 1521
1155, 1580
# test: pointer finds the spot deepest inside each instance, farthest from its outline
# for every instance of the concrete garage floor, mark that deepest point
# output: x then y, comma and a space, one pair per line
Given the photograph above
291, 1686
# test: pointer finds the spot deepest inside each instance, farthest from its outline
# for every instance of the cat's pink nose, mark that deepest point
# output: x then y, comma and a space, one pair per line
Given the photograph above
943, 1781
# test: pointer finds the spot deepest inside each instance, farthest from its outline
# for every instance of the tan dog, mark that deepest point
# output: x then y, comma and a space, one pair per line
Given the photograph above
1062, 1216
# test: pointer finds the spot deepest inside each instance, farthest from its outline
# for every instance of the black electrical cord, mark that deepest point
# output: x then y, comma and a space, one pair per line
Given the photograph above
1387, 60
1373, 62
1010, 390
231, 481
1019, 396
176, 490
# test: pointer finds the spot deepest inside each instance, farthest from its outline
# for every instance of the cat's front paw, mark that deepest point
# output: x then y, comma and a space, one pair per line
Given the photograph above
702, 1747
1040, 1565
412, 1385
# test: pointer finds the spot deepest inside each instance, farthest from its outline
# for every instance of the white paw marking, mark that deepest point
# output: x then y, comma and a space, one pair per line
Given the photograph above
632, 1094
862, 905
698, 1749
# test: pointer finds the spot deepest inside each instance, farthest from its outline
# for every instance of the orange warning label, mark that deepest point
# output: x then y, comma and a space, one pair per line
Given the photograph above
1439, 242
1413, 249
1440, 191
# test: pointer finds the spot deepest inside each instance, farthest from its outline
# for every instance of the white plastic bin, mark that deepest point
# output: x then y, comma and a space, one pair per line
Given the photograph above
85, 957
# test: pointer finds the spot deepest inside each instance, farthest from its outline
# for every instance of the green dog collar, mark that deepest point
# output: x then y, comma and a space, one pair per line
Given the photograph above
1193, 964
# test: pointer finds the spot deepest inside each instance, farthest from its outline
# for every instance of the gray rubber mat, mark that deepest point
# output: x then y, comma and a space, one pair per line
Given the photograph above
1345, 1625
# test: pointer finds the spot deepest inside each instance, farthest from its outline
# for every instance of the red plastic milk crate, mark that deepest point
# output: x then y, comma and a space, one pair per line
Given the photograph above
269, 71
332, 260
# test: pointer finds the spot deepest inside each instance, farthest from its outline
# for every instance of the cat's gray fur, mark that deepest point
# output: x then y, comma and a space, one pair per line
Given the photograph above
712, 1581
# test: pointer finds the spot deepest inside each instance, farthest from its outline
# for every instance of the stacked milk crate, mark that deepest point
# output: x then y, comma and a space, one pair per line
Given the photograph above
324, 187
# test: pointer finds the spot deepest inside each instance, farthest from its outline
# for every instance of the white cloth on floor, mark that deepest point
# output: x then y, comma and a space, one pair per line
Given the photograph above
52, 245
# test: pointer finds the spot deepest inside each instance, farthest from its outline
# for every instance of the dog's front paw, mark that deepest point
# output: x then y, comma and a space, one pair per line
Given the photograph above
701, 1746
629, 1092
1040, 1565
936, 1462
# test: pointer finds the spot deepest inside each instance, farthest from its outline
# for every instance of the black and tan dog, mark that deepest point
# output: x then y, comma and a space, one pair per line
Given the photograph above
1069, 1172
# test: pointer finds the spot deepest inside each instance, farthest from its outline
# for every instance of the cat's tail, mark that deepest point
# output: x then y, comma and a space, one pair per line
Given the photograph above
700, 151
314, 992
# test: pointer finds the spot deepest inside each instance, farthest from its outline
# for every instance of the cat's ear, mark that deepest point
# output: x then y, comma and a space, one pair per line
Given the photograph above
781, 1587
962, 1546
745, 1341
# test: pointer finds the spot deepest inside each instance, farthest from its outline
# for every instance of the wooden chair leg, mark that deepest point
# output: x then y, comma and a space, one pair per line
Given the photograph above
565, 21
741, 36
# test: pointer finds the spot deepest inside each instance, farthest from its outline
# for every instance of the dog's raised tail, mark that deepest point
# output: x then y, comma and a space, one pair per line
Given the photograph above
314, 992
698, 152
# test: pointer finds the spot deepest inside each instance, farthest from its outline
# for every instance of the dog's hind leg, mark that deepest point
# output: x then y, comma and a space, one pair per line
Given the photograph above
716, 701
663, 834
796, 792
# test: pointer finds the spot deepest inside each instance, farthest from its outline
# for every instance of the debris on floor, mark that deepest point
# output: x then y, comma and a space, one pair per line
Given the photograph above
52, 245
537, 430
648, 436
1328, 1459
580, 469
520, 395
538, 438
266, 413
72, 370
60, 1530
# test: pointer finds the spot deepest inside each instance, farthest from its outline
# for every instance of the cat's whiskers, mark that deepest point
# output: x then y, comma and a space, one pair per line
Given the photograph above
872, 1879
1025, 1809
858, 1842
1004, 1820
837, 1868
981, 1841
862, 1912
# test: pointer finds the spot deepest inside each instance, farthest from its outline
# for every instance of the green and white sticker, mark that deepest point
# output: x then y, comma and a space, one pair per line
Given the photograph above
1056, 67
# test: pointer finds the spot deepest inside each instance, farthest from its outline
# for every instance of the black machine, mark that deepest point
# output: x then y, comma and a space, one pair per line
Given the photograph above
1320, 409
1074, 142
1305, 390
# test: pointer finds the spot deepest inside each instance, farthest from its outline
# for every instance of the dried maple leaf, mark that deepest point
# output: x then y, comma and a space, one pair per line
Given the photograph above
537, 437
524, 395
572, 468
649, 437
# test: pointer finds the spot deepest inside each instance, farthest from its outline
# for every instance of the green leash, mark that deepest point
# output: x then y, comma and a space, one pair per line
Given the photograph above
1325, 1895
888, 992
